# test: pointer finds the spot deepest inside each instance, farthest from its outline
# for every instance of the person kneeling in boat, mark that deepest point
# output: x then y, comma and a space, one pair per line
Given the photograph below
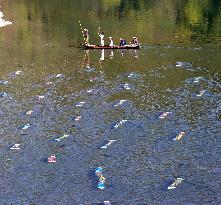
102, 38
86, 36
135, 41
122, 42
111, 42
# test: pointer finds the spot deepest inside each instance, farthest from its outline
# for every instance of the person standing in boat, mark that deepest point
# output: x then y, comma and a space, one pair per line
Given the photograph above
102, 38
86, 36
111, 42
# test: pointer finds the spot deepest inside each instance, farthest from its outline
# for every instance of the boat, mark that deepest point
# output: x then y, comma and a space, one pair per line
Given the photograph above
86, 46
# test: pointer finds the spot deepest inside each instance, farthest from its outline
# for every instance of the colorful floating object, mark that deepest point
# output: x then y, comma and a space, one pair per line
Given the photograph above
101, 183
175, 183
179, 136
98, 170
108, 144
15, 147
52, 159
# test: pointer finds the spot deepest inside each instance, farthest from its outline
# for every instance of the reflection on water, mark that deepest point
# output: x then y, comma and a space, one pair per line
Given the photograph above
66, 111
86, 61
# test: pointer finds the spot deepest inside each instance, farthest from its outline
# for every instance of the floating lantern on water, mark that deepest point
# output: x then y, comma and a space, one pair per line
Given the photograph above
60, 138
165, 114
17, 72
29, 112
108, 144
52, 159
179, 136
119, 103
77, 118
120, 123
101, 183
175, 183
25, 127
15, 147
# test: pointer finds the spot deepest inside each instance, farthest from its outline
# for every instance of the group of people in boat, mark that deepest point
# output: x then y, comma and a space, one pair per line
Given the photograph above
123, 42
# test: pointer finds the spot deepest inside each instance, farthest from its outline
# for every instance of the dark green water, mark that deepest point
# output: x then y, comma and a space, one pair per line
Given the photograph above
178, 60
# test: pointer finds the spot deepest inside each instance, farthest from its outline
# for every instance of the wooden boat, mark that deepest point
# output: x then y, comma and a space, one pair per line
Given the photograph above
110, 47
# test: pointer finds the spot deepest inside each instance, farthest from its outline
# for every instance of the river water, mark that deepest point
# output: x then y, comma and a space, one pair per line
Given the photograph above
96, 96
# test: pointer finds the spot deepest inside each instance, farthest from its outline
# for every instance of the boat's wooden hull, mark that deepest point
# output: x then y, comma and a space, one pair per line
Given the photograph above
110, 47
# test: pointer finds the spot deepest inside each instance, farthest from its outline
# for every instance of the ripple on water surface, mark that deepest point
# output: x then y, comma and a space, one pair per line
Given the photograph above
133, 109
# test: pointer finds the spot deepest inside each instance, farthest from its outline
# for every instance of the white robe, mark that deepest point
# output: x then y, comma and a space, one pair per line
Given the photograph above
111, 42
102, 39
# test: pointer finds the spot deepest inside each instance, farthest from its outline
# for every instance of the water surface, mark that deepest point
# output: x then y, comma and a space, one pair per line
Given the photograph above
176, 70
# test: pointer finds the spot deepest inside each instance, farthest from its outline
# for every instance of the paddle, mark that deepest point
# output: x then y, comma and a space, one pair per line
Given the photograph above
82, 31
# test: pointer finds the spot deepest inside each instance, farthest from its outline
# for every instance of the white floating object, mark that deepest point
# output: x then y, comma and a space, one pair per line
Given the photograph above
107, 203
29, 112
196, 80
48, 83
108, 144
179, 136
93, 79
201, 93
80, 104
77, 118
126, 86
60, 138
129, 76
58, 75
119, 103
52, 159
120, 123
178, 64
4, 82
25, 127
16, 147
175, 183
90, 91
17, 72
3, 94
40, 97
163, 115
